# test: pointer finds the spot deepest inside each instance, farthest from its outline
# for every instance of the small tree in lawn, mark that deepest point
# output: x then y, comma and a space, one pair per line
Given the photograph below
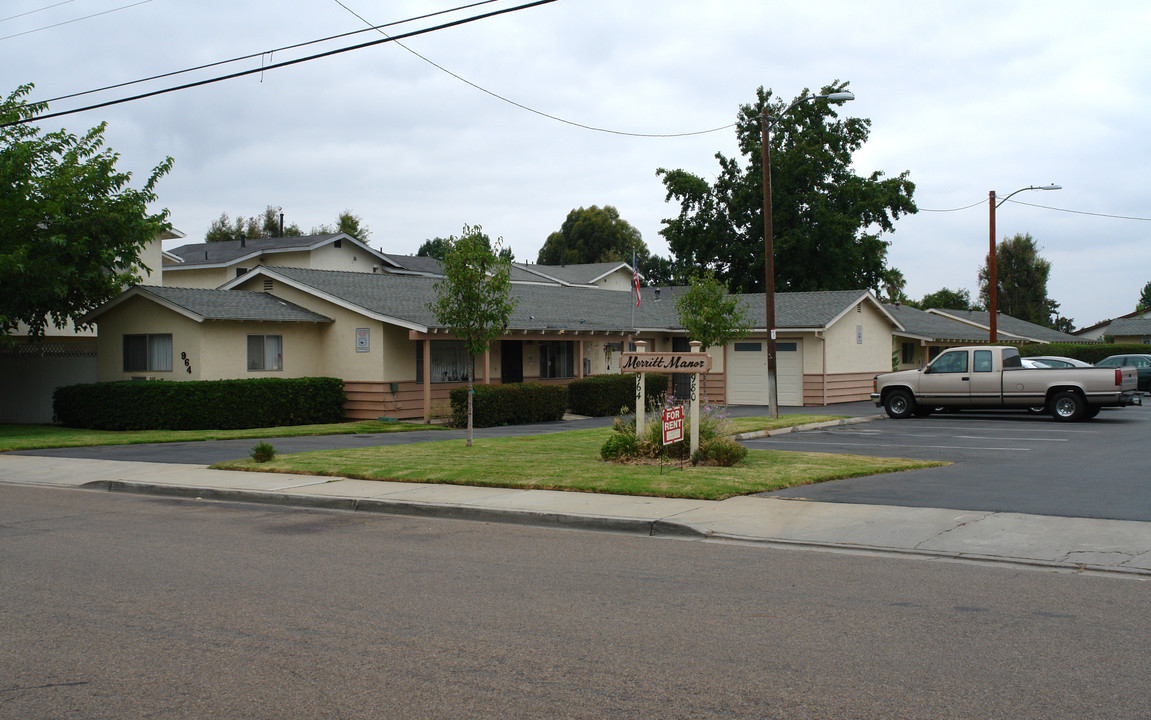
710, 315
474, 299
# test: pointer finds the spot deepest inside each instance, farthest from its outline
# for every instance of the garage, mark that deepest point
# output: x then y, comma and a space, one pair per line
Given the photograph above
747, 372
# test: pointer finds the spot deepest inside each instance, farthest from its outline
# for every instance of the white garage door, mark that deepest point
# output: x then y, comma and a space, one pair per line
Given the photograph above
747, 372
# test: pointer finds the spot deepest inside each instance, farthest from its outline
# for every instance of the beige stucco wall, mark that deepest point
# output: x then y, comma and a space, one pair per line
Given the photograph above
202, 278
138, 316
845, 354
618, 280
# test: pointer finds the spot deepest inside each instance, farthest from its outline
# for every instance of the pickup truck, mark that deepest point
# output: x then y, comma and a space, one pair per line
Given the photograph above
994, 377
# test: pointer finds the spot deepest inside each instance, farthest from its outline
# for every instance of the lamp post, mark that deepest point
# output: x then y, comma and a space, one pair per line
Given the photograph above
992, 281
766, 121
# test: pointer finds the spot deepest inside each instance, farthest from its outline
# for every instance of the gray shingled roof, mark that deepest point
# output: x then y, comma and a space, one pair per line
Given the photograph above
232, 304
230, 251
579, 274
921, 324
1130, 326
553, 308
1005, 324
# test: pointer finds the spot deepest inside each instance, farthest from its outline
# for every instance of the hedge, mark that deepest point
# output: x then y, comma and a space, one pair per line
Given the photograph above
1087, 352
603, 395
511, 404
200, 404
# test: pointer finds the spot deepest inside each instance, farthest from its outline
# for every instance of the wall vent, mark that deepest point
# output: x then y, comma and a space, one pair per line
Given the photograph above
267, 285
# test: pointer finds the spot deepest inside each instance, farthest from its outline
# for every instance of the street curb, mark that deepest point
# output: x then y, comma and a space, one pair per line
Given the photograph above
757, 434
634, 526
1031, 563
630, 526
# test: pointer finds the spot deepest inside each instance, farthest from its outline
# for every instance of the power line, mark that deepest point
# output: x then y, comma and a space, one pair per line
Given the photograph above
965, 207
521, 105
69, 22
1083, 212
33, 12
285, 63
269, 53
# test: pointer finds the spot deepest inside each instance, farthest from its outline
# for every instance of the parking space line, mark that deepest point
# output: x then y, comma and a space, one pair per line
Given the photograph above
798, 441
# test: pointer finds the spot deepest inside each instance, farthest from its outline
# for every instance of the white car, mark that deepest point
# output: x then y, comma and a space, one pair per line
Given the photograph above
1055, 361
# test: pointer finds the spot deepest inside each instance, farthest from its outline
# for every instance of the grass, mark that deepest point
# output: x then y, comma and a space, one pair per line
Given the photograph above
570, 461
755, 424
36, 437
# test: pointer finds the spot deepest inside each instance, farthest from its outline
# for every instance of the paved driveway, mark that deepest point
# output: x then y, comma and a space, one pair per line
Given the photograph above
1003, 462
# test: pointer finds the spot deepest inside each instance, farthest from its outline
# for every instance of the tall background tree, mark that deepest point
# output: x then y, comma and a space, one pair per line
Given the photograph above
593, 235
266, 225
1021, 282
947, 299
1144, 298
474, 299
827, 220
438, 248
71, 227
347, 222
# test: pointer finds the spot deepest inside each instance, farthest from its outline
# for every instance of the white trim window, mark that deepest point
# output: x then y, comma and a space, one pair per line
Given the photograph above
265, 352
148, 353
450, 361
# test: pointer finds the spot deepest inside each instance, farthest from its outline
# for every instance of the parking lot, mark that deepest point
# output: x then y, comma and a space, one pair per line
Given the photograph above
1002, 462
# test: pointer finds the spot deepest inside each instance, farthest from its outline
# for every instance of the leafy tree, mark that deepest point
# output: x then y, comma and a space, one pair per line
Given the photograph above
593, 235
256, 226
438, 248
1145, 298
709, 314
892, 282
71, 227
347, 223
658, 270
1021, 279
947, 299
474, 299
827, 221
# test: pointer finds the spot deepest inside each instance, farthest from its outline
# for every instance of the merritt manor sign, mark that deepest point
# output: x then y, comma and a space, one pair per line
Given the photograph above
666, 362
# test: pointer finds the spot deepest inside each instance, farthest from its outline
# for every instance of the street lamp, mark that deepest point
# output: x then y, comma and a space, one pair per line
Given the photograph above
992, 281
766, 121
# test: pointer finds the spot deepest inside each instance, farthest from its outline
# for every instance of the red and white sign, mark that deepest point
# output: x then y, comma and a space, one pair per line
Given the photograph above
673, 418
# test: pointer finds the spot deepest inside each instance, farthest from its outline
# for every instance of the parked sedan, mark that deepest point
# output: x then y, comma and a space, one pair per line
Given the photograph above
1141, 362
1056, 361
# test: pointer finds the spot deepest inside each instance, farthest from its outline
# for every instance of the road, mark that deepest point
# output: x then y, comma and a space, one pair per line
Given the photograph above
116, 606
1003, 462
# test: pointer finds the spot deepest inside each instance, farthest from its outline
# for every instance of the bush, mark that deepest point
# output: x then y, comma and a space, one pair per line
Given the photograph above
200, 404
1087, 352
511, 404
604, 395
724, 452
263, 452
714, 445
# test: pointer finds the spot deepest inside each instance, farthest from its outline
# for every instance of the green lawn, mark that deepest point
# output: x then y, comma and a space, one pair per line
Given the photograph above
755, 424
35, 437
570, 461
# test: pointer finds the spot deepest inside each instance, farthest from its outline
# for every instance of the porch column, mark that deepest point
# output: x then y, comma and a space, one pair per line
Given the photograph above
427, 380
579, 360
488, 365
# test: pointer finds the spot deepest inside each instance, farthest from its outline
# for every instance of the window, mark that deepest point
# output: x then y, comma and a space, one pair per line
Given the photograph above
147, 353
450, 362
265, 352
748, 347
950, 362
982, 361
557, 359
907, 353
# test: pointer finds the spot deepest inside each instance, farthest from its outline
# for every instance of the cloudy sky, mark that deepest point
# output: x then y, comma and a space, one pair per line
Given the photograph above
968, 97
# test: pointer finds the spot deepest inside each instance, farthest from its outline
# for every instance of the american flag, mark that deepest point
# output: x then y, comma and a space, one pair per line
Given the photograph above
635, 277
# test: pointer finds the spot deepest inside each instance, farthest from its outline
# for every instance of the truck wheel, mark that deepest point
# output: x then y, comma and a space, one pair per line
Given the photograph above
899, 404
1068, 406
1092, 411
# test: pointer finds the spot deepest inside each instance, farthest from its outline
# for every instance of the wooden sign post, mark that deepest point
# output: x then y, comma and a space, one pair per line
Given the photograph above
694, 362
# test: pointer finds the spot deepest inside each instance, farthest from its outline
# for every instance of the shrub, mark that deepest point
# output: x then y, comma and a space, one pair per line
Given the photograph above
603, 395
1087, 352
724, 452
200, 404
511, 404
263, 452
619, 447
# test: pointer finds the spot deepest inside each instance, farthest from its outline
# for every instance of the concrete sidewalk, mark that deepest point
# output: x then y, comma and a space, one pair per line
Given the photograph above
1057, 543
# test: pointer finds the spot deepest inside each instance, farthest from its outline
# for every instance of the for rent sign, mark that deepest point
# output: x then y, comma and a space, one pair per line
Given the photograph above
665, 362
673, 424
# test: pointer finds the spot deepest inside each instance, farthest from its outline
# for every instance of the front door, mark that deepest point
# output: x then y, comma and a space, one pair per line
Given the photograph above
511, 361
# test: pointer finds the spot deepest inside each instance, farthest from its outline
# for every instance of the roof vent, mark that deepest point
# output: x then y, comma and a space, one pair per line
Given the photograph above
267, 284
